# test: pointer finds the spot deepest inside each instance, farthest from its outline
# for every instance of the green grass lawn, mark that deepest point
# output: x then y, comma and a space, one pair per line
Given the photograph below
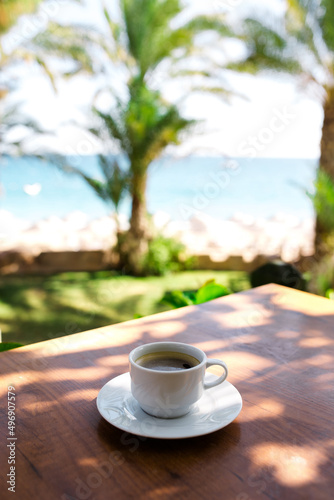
35, 308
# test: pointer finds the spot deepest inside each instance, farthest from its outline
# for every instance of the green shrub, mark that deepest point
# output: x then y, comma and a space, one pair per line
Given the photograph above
323, 201
321, 273
209, 291
6, 346
321, 276
166, 255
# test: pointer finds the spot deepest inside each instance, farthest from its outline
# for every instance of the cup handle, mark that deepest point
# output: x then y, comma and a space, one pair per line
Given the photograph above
219, 380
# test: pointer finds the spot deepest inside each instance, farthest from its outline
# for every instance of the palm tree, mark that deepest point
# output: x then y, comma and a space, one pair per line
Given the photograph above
143, 126
150, 42
307, 36
301, 42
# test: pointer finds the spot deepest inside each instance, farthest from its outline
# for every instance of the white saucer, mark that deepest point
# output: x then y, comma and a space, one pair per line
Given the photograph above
217, 408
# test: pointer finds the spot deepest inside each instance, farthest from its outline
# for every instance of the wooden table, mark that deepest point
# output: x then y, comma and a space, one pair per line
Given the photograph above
279, 346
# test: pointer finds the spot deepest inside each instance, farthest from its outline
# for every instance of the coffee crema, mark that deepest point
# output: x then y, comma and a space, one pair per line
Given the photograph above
167, 361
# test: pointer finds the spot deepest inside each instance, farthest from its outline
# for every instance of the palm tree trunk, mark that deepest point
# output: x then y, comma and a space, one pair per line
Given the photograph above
326, 164
133, 246
327, 140
138, 221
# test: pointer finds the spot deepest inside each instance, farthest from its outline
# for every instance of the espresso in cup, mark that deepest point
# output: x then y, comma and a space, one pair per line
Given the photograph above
167, 361
167, 378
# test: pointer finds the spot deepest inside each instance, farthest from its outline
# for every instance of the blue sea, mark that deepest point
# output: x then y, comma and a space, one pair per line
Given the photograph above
184, 187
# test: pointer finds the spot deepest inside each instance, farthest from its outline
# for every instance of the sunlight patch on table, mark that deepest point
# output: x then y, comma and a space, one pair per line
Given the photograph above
212, 345
85, 373
116, 360
264, 409
322, 360
317, 341
246, 363
165, 492
287, 334
80, 395
325, 381
292, 466
32, 404
249, 319
155, 330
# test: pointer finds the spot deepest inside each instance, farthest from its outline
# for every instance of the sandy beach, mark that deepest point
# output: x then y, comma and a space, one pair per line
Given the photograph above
283, 236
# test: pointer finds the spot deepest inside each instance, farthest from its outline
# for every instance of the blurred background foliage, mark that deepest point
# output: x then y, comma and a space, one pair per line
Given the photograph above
11, 10
149, 43
142, 123
36, 308
320, 274
323, 201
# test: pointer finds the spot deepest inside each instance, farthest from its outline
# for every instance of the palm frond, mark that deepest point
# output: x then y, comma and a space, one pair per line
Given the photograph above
302, 23
98, 186
116, 179
147, 24
267, 38
326, 21
268, 49
111, 189
152, 127
48, 72
296, 15
115, 126
218, 91
10, 11
166, 42
114, 46
66, 41
176, 73
115, 28
216, 24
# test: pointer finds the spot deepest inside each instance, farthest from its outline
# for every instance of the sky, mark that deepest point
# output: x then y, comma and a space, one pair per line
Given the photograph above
277, 117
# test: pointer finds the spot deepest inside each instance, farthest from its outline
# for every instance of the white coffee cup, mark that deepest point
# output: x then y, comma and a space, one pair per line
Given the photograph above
170, 394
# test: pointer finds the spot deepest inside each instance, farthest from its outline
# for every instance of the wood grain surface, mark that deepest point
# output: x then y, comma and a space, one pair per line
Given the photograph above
279, 346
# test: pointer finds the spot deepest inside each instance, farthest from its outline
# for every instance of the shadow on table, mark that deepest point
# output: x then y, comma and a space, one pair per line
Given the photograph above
281, 361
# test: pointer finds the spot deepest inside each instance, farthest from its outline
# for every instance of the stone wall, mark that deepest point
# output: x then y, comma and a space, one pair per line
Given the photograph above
13, 262
55, 262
